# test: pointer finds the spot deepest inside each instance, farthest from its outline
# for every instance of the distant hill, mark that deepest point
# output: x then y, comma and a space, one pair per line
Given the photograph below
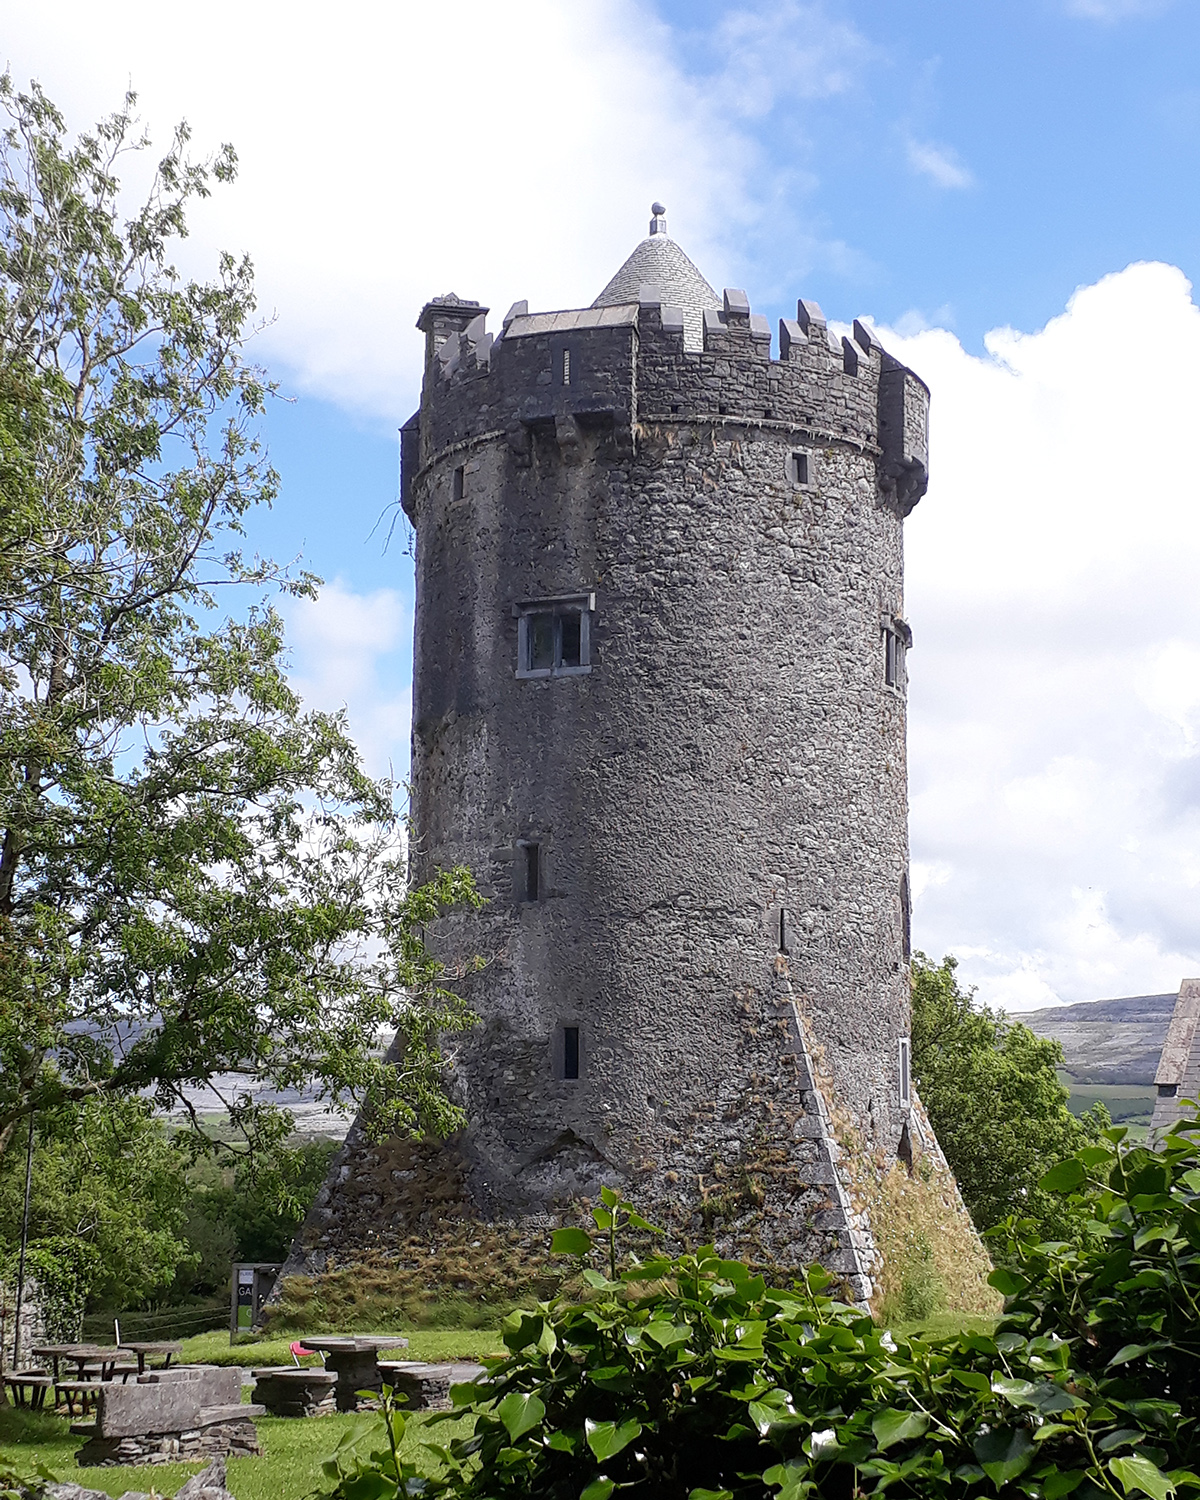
1107, 1041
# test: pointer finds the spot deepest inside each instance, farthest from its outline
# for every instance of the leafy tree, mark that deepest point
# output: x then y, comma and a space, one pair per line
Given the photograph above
106, 1175
196, 877
993, 1096
239, 1214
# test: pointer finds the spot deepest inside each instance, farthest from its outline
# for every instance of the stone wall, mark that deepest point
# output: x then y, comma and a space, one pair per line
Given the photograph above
33, 1324
237, 1438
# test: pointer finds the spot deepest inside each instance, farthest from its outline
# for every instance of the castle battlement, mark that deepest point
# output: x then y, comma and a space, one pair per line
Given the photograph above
621, 367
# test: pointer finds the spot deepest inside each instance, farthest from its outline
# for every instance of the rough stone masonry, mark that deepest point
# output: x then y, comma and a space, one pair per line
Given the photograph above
659, 711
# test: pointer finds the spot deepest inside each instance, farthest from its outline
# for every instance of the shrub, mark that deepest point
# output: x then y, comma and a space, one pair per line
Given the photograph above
1126, 1294
690, 1379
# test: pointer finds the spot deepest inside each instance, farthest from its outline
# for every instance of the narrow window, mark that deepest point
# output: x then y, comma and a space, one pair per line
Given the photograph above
799, 468
570, 628
783, 947
893, 658
458, 484
531, 873
570, 1038
905, 919
905, 1072
566, 367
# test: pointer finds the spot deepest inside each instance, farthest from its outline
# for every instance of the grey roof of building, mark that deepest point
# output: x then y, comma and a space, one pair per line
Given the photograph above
609, 316
659, 262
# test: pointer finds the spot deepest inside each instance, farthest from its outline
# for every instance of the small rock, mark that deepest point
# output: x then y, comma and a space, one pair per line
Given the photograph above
209, 1484
73, 1492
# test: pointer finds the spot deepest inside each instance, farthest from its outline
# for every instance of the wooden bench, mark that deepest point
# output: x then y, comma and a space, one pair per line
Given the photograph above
29, 1387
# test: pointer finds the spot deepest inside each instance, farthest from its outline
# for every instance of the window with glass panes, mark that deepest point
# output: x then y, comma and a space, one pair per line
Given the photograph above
554, 636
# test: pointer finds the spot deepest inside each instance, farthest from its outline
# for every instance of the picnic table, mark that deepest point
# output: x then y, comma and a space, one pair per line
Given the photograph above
355, 1361
95, 1365
165, 1349
99, 1361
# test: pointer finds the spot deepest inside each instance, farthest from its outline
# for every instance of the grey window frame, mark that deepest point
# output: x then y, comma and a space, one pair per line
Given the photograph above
904, 1062
897, 639
583, 605
809, 458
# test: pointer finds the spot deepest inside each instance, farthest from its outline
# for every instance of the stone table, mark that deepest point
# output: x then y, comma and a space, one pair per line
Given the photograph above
427, 1386
164, 1349
355, 1360
286, 1391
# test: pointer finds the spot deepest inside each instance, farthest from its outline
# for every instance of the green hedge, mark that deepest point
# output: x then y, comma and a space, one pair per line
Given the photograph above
689, 1379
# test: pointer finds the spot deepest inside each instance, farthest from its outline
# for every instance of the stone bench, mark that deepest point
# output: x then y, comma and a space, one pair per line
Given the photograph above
189, 1411
426, 1386
286, 1391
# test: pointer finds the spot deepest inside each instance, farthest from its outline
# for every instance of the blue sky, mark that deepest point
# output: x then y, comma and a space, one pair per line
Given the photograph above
981, 180
970, 166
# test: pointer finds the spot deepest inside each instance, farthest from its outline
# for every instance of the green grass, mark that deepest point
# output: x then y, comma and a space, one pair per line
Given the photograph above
433, 1344
293, 1450
944, 1324
290, 1468
1125, 1102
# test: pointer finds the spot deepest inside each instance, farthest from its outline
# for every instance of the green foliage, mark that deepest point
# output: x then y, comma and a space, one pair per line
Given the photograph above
106, 1176
993, 1096
196, 876
20, 1483
690, 1379
379, 1473
235, 1213
1126, 1292
65, 1271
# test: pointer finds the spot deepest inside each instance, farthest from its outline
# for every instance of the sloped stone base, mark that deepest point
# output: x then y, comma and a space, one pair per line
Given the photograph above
770, 1168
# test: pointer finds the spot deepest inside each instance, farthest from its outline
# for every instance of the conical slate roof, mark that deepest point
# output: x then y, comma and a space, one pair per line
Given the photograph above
659, 262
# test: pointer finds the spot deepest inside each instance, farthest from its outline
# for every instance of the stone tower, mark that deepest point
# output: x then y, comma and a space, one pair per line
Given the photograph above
659, 711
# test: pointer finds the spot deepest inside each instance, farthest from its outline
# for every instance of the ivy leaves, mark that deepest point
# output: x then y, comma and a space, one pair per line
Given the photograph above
686, 1378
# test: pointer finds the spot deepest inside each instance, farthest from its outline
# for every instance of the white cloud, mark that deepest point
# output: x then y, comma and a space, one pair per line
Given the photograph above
784, 51
939, 163
394, 151
352, 651
1055, 698
914, 321
1115, 10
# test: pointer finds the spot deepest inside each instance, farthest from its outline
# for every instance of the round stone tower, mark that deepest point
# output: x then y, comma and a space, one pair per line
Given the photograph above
659, 711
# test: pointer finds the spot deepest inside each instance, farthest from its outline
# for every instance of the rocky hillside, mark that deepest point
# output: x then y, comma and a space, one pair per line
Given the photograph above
1107, 1041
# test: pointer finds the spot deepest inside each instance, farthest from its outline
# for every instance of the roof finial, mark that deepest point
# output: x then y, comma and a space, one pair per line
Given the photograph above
658, 224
